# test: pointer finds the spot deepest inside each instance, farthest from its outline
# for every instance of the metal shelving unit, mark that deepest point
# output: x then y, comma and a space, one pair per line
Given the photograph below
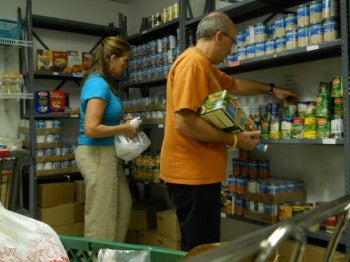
242, 11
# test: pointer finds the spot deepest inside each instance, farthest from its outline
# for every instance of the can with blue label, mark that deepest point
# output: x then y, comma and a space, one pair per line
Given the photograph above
241, 53
290, 22
279, 27
315, 10
329, 9
280, 44
270, 46
330, 29
291, 39
250, 35
303, 18
250, 51
316, 33
240, 39
260, 48
303, 36
261, 32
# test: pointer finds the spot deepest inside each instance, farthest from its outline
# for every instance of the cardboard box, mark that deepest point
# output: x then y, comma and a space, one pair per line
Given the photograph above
79, 212
266, 218
167, 243
57, 215
44, 60
53, 194
312, 252
59, 61
277, 198
79, 229
143, 214
142, 218
224, 112
168, 225
42, 102
147, 237
75, 64
57, 101
79, 191
68, 229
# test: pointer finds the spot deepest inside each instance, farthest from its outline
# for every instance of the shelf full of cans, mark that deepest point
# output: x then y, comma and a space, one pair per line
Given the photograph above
310, 25
146, 167
150, 109
252, 193
52, 156
153, 59
320, 118
166, 15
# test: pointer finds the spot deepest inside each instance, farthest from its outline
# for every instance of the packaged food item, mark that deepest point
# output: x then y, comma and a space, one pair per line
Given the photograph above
12, 82
86, 61
41, 99
59, 61
44, 60
57, 101
223, 111
75, 63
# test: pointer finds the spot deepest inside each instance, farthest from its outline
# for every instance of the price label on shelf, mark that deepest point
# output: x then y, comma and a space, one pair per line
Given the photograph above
329, 141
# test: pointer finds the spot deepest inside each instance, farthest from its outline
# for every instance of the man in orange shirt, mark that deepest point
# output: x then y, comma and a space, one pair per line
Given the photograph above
194, 155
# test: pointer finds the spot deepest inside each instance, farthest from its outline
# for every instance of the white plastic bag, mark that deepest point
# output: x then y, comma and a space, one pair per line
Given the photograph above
111, 255
26, 239
127, 148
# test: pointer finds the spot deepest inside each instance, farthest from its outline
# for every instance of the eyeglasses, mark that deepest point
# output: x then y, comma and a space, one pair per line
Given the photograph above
234, 42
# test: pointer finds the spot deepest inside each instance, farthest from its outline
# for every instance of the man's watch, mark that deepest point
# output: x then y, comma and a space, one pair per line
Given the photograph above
272, 86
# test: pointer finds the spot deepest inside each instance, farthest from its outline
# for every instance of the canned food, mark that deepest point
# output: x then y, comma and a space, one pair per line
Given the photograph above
260, 49
323, 127
261, 32
286, 128
291, 39
280, 44
322, 105
330, 29
270, 46
310, 127
315, 11
298, 128
279, 27
250, 35
303, 18
316, 33
290, 22
329, 8
303, 36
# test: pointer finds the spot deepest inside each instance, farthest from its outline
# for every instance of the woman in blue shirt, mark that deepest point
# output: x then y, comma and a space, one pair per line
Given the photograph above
108, 200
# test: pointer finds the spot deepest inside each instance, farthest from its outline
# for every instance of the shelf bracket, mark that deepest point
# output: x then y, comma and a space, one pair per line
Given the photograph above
40, 41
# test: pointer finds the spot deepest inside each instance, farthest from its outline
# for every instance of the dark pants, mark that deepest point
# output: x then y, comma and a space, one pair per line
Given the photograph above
198, 212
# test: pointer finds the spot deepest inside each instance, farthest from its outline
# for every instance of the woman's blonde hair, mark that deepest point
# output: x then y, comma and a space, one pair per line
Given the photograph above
101, 57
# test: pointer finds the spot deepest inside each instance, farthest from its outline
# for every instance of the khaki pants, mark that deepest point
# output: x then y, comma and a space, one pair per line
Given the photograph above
108, 200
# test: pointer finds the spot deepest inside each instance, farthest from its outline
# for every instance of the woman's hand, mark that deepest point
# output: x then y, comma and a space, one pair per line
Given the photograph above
129, 130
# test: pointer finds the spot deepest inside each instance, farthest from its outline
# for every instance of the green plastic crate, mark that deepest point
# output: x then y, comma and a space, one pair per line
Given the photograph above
85, 249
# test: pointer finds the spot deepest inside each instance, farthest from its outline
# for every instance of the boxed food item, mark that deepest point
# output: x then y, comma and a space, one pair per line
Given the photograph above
86, 61
42, 102
44, 60
57, 101
75, 64
59, 61
223, 111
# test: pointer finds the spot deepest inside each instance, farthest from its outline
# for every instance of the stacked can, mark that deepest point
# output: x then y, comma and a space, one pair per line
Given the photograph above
337, 127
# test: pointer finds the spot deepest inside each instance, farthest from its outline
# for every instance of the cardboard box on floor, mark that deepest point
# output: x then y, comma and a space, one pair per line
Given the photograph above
312, 253
143, 214
57, 215
79, 191
168, 225
53, 194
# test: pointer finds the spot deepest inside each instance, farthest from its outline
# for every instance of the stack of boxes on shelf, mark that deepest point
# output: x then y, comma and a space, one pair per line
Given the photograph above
153, 225
61, 206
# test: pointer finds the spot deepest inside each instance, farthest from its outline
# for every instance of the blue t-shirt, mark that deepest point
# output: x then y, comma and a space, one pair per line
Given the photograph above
96, 87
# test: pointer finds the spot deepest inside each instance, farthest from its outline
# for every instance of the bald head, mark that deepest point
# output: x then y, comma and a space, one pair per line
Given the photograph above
212, 23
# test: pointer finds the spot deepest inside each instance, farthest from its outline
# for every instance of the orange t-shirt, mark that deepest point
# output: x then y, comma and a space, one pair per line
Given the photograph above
185, 160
